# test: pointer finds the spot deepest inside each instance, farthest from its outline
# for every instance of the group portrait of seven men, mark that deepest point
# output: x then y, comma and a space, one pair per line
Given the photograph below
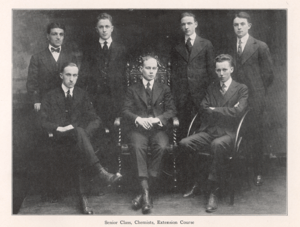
220, 88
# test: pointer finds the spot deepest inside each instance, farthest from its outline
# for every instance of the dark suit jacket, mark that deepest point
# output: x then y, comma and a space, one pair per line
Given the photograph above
225, 116
135, 104
43, 73
83, 114
192, 74
90, 76
255, 69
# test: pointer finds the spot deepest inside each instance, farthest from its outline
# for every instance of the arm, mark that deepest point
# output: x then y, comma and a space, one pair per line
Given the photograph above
210, 62
239, 107
266, 66
170, 109
33, 83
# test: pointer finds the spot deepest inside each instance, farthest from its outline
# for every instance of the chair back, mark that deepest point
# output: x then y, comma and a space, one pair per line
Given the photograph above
134, 75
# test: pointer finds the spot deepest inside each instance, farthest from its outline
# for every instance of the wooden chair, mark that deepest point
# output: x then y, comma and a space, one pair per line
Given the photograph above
237, 155
133, 75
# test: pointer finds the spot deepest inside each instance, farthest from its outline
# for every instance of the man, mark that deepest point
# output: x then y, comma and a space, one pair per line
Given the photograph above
255, 69
68, 116
44, 67
103, 72
192, 71
224, 103
147, 107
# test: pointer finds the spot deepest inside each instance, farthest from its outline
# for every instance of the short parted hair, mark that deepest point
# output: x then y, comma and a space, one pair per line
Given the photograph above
242, 15
67, 64
55, 25
104, 16
188, 14
146, 57
224, 57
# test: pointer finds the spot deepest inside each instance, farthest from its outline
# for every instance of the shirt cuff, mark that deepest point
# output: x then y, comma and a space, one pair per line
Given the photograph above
136, 124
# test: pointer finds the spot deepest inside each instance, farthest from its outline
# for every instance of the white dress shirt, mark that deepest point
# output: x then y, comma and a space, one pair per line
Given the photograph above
65, 89
227, 84
109, 41
192, 37
145, 82
55, 54
243, 40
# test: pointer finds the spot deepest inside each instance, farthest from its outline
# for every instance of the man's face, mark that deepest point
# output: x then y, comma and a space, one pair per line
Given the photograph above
104, 28
188, 25
149, 69
69, 76
241, 26
56, 37
224, 70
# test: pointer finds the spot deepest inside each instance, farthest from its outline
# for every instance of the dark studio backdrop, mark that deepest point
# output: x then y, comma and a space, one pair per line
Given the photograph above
139, 30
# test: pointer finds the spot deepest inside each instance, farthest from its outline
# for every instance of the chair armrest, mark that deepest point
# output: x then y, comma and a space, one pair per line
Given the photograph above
175, 122
117, 122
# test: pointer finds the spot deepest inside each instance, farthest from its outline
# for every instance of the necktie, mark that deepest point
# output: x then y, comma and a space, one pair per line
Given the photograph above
240, 48
105, 47
55, 49
223, 89
188, 45
148, 89
68, 100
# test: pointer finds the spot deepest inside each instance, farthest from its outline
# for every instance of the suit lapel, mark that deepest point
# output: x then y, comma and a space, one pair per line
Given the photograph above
230, 92
49, 61
60, 99
142, 92
156, 91
76, 98
113, 51
249, 49
197, 47
181, 49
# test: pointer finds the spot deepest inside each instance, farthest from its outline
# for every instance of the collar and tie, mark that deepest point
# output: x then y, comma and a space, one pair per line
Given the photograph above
189, 45
105, 46
223, 89
240, 51
148, 89
55, 49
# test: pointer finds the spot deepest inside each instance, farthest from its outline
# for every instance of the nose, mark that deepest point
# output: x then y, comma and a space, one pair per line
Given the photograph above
186, 26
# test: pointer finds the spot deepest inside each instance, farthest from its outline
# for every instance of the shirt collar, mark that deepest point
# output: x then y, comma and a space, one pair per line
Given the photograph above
65, 89
193, 37
227, 83
109, 40
244, 39
50, 46
146, 81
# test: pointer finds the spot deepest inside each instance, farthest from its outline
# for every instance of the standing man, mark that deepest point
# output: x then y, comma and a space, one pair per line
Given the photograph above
224, 103
69, 116
254, 68
103, 72
148, 106
192, 71
44, 67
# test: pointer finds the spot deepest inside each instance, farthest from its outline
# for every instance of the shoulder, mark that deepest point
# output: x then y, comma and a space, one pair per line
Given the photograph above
205, 41
53, 92
40, 53
260, 43
240, 85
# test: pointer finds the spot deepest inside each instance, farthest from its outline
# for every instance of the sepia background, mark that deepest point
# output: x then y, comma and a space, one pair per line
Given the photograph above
157, 30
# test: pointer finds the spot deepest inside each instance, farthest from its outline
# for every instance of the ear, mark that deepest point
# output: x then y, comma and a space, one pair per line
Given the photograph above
141, 69
231, 69
112, 28
61, 76
48, 37
249, 25
196, 24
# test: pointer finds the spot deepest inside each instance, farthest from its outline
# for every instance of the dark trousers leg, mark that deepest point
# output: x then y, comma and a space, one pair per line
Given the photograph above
139, 141
255, 139
159, 143
220, 148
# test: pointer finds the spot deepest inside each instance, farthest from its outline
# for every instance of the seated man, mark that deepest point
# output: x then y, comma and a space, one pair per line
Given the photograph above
223, 105
68, 115
148, 106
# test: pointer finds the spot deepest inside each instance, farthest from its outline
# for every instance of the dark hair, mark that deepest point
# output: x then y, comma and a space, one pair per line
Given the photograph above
242, 15
65, 65
224, 57
55, 25
188, 14
104, 16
